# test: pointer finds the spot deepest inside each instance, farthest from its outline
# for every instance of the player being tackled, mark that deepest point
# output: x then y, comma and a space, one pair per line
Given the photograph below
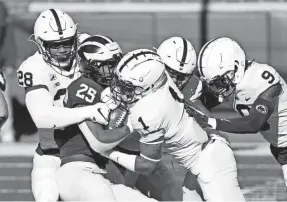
81, 175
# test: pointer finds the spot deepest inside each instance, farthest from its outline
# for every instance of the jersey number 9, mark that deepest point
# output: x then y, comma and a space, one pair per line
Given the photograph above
268, 76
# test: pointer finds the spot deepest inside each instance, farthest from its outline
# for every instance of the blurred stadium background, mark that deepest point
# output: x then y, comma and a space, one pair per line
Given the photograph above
259, 25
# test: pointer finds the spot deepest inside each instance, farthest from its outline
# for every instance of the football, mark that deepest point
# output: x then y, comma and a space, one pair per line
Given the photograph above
118, 117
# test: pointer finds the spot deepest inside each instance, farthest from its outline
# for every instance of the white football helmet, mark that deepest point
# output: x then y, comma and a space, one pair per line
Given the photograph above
221, 65
55, 33
179, 57
99, 56
138, 73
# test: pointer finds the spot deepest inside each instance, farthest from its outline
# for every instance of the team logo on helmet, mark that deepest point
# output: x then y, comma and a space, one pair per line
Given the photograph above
262, 109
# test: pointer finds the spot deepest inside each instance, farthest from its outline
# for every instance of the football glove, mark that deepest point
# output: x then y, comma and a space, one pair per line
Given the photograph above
98, 113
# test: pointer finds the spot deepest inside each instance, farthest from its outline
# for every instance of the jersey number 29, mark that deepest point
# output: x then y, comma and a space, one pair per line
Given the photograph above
87, 93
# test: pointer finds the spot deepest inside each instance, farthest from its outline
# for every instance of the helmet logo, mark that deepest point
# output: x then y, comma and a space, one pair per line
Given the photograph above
141, 79
220, 65
262, 109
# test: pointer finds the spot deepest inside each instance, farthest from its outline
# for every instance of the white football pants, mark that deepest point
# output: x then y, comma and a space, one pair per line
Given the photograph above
216, 173
84, 181
43, 177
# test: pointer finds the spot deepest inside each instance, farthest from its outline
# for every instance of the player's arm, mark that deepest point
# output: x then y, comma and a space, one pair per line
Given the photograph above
150, 156
39, 100
101, 140
192, 96
259, 113
40, 106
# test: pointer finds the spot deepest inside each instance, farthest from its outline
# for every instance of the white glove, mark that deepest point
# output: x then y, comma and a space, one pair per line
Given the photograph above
107, 98
129, 124
98, 113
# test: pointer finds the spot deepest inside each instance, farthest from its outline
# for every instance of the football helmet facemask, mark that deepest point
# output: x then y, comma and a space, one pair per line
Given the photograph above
138, 73
179, 57
99, 55
55, 34
221, 64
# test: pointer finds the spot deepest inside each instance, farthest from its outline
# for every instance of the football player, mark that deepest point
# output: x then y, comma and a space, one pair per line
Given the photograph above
259, 94
179, 57
98, 57
81, 175
157, 113
3, 104
45, 77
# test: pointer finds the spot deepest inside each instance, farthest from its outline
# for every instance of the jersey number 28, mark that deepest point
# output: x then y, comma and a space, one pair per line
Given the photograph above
87, 93
25, 78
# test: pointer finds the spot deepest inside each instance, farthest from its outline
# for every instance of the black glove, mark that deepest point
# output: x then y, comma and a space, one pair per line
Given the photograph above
200, 118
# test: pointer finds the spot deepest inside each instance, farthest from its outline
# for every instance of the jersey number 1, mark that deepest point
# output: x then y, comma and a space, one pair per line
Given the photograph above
145, 127
86, 93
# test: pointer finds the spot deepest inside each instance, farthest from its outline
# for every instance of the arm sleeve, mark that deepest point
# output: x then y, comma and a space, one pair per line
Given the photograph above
40, 106
259, 113
152, 136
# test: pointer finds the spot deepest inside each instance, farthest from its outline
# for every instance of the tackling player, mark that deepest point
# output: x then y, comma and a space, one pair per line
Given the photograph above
179, 58
81, 175
259, 94
157, 113
99, 56
45, 77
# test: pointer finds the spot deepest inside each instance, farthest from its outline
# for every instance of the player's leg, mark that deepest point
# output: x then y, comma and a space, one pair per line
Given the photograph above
161, 184
280, 154
190, 183
7, 130
217, 173
43, 177
124, 193
83, 181
117, 174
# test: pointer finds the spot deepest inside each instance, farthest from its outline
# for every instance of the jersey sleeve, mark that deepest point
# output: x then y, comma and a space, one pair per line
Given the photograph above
149, 125
152, 134
30, 76
82, 92
266, 76
193, 89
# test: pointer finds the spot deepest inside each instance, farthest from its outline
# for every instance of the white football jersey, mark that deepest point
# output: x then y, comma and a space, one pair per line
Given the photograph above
35, 73
160, 116
257, 79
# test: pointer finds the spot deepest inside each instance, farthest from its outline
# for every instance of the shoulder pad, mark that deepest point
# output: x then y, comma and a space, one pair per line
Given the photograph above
32, 72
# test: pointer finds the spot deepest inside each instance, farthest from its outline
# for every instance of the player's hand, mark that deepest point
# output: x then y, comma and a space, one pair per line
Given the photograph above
108, 99
220, 138
216, 134
99, 113
203, 120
